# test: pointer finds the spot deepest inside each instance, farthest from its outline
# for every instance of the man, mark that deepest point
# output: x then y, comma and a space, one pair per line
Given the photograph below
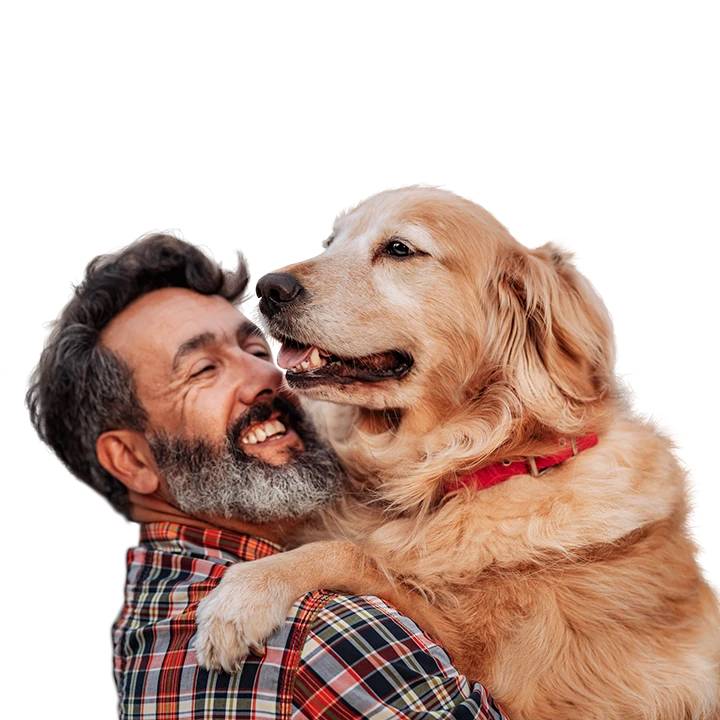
157, 392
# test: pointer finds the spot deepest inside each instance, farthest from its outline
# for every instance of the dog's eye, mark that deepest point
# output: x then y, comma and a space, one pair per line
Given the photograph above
396, 248
328, 241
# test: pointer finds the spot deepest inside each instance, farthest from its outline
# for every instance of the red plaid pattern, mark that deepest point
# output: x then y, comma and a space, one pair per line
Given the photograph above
337, 657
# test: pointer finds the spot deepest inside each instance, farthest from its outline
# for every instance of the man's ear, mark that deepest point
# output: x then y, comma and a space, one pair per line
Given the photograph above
126, 455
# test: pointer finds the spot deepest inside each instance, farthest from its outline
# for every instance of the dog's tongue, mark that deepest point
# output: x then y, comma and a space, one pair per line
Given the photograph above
290, 356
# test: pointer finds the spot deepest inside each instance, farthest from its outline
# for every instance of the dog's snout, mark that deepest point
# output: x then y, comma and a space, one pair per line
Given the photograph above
275, 290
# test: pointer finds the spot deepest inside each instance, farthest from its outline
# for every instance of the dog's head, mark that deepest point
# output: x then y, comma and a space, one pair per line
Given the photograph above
423, 302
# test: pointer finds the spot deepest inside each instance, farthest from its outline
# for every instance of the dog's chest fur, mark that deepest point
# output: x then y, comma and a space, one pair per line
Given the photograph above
573, 595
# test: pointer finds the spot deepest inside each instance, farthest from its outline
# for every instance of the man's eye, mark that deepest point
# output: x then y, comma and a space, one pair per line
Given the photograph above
202, 370
259, 350
397, 248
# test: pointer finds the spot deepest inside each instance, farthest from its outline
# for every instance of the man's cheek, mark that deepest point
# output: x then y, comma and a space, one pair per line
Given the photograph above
208, 420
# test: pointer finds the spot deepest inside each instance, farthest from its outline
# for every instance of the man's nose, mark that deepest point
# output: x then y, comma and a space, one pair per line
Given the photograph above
276, 291
257, 377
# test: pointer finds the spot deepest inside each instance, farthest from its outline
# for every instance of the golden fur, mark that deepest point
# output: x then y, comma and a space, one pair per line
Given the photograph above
571, 595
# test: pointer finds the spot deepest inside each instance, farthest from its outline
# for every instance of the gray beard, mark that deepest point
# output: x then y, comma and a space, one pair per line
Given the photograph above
226, 482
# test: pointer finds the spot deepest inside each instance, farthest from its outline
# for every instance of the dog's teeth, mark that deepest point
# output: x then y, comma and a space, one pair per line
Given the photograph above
250, 437
315, 360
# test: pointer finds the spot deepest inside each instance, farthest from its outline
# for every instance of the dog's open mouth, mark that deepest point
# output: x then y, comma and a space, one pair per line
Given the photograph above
308, 364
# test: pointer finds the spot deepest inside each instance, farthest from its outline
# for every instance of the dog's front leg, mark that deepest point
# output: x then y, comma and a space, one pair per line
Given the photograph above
254, 598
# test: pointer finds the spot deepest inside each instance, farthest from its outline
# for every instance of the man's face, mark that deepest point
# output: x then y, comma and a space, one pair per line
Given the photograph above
226, 439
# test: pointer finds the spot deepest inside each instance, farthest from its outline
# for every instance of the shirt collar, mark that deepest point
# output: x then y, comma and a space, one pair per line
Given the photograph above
168, 535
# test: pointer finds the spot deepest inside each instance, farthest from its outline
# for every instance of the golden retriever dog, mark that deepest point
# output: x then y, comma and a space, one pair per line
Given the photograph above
502, 493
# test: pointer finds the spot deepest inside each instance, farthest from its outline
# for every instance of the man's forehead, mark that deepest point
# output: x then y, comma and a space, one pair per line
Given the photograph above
163, 319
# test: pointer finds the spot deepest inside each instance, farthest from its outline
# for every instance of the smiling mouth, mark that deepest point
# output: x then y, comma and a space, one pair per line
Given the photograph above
309, 364
263, 431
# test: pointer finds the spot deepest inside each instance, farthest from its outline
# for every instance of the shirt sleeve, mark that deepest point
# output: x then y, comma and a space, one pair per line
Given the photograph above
362, 659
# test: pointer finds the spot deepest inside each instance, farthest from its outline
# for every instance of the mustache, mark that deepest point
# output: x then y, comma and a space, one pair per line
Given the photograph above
263, 411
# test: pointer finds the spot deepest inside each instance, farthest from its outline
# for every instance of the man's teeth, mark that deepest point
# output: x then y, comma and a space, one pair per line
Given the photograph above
314, 361
260, 433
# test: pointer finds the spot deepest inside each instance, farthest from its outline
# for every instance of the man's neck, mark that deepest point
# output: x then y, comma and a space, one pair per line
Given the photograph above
154, 508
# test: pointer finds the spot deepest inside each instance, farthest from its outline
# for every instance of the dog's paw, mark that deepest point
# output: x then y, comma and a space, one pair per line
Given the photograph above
238, 616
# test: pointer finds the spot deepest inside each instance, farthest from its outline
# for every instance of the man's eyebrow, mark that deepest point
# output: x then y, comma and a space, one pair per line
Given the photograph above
246, 329
194, 343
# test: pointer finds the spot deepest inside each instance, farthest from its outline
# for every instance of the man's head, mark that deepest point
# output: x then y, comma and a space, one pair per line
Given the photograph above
152, 383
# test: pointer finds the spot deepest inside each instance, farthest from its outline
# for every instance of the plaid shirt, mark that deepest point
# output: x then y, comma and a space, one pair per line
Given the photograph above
338, 657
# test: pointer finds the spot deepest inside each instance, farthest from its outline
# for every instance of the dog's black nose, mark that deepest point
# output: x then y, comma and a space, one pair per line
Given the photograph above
275, 290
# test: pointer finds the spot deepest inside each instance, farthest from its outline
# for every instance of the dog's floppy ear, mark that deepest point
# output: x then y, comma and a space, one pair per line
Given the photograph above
554, 337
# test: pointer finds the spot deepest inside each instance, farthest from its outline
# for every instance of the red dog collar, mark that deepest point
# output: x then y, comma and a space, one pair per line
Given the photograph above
493, 474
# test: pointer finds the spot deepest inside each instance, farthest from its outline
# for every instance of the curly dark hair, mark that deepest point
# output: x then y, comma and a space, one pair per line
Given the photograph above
80, 389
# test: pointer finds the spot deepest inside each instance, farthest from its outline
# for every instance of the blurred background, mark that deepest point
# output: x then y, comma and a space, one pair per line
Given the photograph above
651, 254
